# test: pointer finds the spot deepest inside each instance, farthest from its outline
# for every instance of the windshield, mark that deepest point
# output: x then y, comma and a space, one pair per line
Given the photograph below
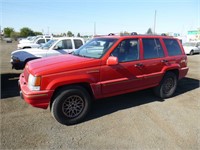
189, 44
95, 48
48, 44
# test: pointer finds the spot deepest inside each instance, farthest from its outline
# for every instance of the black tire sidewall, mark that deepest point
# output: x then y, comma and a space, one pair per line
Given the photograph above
191, 52
171, 92
58, 102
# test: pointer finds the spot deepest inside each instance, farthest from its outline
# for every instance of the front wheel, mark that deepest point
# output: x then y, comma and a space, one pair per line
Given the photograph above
167, 86
71, 105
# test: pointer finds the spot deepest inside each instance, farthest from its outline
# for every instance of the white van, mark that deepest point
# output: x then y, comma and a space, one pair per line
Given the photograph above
56, 46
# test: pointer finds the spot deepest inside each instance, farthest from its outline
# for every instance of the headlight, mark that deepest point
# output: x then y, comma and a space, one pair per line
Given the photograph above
15, 59
34, 83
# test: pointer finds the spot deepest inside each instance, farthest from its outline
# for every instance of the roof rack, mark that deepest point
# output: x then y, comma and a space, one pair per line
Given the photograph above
132, 34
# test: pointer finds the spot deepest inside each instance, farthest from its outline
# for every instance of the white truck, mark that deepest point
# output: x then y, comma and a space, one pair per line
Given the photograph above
56, 46
34, 42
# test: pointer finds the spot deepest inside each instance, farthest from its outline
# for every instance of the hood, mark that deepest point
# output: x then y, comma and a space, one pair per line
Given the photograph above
36, 52
61, 63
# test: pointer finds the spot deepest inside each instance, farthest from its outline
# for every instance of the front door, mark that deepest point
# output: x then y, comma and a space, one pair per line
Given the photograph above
127, 74
62, 47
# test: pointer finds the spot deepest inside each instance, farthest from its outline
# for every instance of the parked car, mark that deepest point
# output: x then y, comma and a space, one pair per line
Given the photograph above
8, 40
192, 47
35, 42
26, 40
103, 67
56, 46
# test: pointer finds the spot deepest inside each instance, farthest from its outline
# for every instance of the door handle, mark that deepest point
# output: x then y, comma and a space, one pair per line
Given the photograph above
164, 61
139, 65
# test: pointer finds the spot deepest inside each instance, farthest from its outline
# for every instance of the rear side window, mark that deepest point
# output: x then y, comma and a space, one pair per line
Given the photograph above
78, 43
173, 47
152, 48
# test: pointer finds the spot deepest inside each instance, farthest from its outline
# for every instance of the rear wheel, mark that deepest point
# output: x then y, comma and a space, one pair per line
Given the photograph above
71, 105
191, 52
167, 86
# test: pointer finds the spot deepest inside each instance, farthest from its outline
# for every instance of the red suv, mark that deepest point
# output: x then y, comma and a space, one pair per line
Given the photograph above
103, 67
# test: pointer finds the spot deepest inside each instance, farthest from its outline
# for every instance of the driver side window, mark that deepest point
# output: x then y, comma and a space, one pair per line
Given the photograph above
127, 50
64, 44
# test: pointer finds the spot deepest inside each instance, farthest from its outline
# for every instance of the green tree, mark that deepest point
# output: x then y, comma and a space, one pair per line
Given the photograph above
69, 34
64, 34
37, 33
8, 31
15, 35
24, 32
78, 35
149, 31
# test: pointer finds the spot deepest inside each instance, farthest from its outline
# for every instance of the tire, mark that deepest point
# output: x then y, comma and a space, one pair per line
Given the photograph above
167, 86
71, 105
191, 52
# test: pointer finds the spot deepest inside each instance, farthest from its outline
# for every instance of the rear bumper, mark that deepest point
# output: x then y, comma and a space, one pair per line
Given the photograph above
183, 72
38, 99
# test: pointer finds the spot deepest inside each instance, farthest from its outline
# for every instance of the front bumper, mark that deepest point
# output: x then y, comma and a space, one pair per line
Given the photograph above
17, 65
38, 99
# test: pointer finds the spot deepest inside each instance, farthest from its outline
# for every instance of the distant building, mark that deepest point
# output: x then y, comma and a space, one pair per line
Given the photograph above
193, 35
182, 38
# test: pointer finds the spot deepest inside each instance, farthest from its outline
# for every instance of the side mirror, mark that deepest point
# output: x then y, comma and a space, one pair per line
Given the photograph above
112, 60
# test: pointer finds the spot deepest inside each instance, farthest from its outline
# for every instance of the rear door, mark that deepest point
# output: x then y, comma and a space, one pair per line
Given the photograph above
153, 61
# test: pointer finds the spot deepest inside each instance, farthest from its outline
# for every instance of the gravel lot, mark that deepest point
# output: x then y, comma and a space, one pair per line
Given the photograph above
132, 121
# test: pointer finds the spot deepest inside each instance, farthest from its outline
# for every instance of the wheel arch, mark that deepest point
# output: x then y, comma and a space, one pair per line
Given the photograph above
26, 47
175, 71
84, 85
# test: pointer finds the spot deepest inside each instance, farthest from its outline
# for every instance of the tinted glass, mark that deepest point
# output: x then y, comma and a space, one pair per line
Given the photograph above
127, 50
41, 41
152, 48
78, 43
67, 44
173, 47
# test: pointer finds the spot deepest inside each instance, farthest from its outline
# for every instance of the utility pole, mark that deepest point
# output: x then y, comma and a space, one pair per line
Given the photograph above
94, 28
154, 28
0, 32
48, 30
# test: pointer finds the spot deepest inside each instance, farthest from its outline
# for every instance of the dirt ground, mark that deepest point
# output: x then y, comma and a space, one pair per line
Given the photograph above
132, 121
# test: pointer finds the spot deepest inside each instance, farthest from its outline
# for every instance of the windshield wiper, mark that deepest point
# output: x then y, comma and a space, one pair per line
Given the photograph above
82, 55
